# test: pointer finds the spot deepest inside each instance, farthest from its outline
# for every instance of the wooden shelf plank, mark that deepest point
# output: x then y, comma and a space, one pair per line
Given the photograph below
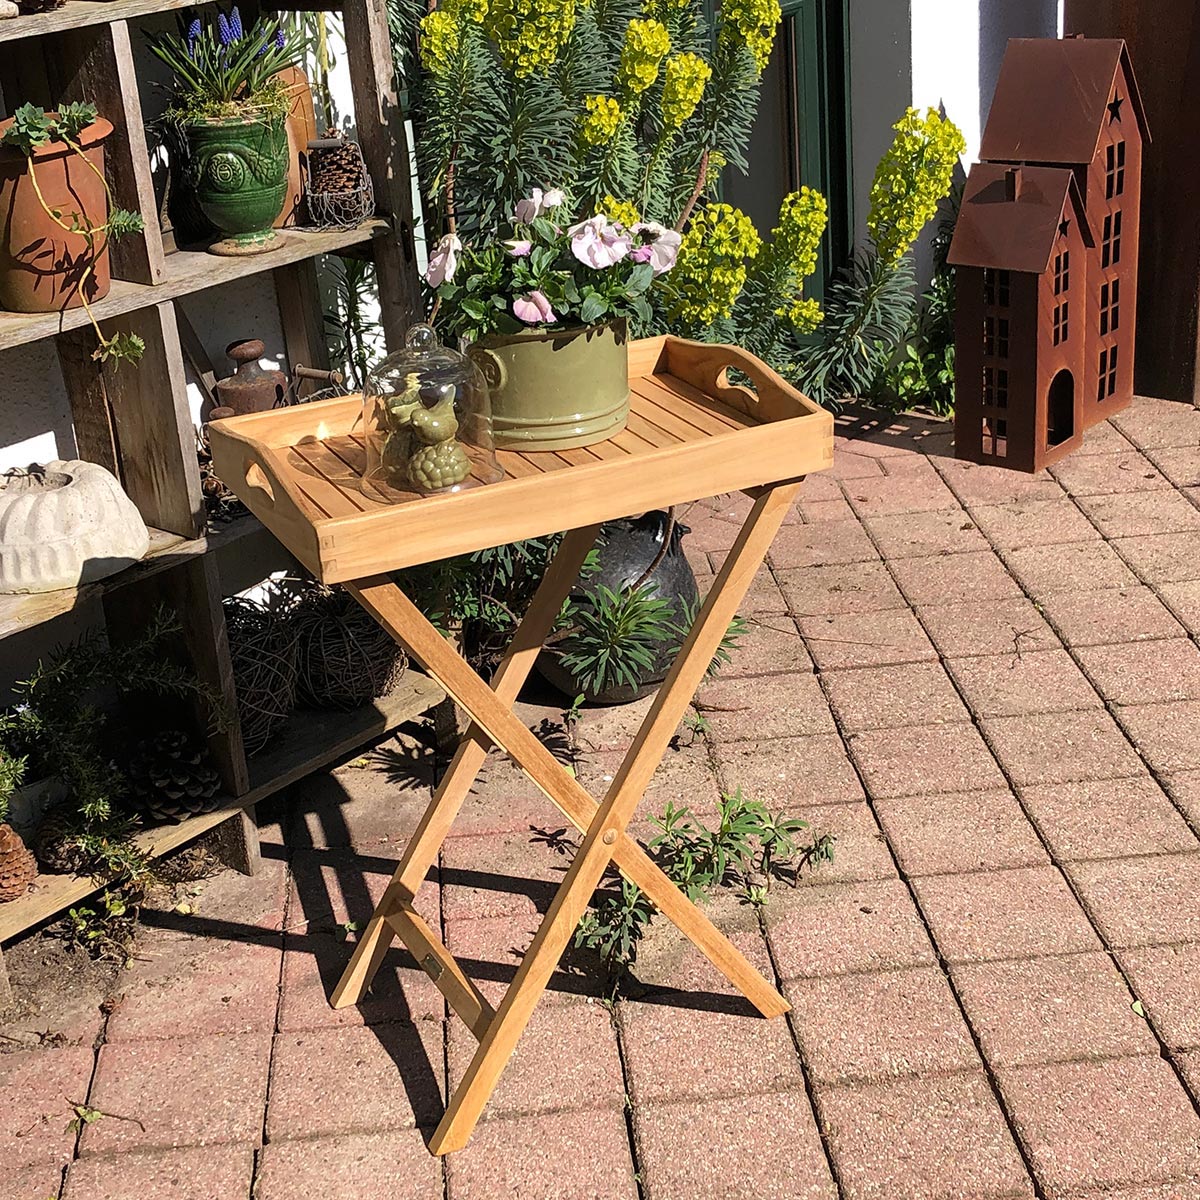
186, 271
167, 550
310, 741
77, 13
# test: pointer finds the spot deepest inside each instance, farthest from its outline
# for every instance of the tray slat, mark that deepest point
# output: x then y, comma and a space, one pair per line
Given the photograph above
690, 434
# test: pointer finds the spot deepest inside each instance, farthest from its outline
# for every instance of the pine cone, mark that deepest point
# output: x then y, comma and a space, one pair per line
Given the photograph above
172, 778
340, 170
188, 864
56, 842
18, 867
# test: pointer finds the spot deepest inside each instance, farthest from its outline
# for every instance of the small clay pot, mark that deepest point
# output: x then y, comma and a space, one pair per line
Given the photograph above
41, 265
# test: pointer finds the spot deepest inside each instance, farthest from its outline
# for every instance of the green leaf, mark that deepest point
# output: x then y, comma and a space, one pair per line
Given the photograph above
593, 308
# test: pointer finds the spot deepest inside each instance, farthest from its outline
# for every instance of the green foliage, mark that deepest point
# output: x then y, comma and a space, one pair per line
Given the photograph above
353, 333
868, 310
541, 277
923, 374
58, 721
749, 847
12, 771
871, 308
616, 637
104, 932
223, 70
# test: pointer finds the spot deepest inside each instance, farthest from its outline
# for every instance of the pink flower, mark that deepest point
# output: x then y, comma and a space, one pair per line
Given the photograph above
642, 254
598, 243
663, 245
529, 209
533, 309
519, 247
443, 262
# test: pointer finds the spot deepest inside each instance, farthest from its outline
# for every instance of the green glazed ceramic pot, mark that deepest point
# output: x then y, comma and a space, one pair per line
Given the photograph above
555, 389
238, 172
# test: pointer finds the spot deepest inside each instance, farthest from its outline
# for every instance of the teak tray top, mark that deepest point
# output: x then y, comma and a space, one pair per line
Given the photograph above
691, 434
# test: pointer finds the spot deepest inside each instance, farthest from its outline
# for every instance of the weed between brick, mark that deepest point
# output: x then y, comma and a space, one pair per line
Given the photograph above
748, 849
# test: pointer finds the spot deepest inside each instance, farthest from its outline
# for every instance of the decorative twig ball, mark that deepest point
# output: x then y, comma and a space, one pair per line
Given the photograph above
262, 647
345, 659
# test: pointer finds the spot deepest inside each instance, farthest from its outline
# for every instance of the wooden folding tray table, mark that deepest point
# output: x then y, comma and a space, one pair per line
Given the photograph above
691, 434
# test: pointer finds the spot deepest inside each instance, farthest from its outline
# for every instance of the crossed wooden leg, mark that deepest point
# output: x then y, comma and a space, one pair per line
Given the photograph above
603, 825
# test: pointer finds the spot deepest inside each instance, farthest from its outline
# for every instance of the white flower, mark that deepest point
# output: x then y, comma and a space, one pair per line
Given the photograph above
529, 209
598, 243
443, 262
663, 245
532, 207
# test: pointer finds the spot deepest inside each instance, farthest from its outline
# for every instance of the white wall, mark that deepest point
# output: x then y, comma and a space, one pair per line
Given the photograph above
945, 63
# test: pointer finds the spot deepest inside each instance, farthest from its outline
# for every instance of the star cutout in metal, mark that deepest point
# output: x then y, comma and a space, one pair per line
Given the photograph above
1114, 109
1064, 228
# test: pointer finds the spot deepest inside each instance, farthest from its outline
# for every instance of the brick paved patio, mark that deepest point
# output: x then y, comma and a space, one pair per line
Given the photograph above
985, 685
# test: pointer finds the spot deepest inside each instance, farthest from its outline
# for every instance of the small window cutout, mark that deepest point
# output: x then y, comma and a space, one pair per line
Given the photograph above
1114, 170
1110, 307
994, 437
1062, 272
995, 288
1002, 338
989, 335
1001, 388
1107, 384
1110, 253
1061, 319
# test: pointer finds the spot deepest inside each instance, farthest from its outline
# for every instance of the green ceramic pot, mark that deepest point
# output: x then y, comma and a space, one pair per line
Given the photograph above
555, 389
238, 170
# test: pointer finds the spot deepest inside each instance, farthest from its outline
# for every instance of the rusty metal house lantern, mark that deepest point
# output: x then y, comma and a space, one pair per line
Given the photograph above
1066, 107
1021, 318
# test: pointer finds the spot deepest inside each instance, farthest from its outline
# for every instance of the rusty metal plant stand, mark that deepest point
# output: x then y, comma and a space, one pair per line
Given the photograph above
691, 435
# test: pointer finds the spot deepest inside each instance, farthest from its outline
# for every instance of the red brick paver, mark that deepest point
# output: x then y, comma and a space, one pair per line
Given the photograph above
984, 686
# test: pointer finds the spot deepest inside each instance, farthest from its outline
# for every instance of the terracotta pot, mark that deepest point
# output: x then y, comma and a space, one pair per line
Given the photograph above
301, 127
555, 389
238, 170
41, 265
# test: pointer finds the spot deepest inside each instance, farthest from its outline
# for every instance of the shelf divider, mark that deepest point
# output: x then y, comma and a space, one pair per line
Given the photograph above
97, 65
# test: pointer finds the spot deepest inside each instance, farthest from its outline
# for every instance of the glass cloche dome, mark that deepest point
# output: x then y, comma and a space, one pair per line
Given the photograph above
427, 422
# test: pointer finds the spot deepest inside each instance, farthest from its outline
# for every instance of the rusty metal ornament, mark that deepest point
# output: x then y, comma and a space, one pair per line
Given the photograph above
250, 388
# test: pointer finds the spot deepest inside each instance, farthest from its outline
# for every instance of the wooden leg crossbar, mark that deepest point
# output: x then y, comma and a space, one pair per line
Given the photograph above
603, 825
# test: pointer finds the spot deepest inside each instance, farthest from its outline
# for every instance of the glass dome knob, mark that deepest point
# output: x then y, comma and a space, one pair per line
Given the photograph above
421, 338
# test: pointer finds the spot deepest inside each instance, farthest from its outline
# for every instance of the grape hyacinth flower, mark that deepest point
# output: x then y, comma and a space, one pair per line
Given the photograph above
280, 40
235, 24
193, 36
224, 31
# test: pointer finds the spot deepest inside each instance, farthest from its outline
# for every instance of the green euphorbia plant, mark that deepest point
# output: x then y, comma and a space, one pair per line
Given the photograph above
552, 273
33, 128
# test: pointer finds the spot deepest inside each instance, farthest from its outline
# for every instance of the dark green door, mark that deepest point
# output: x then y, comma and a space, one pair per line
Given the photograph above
802, 133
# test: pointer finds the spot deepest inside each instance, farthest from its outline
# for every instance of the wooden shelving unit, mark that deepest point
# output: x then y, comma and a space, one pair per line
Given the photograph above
136, 421
309, 742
